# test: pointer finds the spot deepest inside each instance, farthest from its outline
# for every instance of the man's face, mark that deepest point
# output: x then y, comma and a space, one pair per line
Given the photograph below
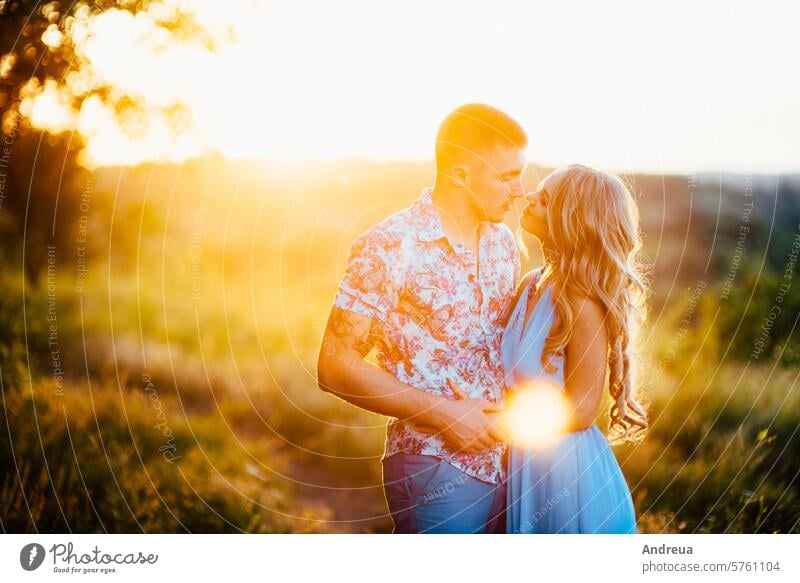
495, 181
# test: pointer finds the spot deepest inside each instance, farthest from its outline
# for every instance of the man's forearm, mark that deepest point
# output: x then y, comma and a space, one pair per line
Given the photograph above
350, 377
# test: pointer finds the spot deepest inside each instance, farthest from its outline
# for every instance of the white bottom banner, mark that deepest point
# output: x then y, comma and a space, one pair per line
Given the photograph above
418, 558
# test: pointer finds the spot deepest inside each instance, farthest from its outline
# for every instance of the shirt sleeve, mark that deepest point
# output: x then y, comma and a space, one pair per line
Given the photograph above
367, 287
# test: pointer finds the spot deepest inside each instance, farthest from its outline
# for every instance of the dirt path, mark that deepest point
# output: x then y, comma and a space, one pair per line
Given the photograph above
355, 507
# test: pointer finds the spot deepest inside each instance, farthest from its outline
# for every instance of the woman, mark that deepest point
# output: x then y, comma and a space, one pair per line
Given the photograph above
575, 326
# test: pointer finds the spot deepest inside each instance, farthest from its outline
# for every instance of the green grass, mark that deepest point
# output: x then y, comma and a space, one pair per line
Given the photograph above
262, 448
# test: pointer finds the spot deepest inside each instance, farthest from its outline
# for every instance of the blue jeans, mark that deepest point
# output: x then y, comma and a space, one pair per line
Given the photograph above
428, 495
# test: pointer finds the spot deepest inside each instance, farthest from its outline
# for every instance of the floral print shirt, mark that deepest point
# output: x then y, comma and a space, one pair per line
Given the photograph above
441, 308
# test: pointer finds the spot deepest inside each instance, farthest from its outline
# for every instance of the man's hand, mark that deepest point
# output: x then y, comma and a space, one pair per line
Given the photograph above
467, 425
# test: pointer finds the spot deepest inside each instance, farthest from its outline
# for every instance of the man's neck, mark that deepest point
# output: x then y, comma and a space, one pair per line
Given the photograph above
458, 220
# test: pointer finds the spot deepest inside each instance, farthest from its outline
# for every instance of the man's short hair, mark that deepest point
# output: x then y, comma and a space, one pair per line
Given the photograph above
475, 128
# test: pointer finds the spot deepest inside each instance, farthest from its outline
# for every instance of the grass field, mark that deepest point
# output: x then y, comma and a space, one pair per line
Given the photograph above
176, 390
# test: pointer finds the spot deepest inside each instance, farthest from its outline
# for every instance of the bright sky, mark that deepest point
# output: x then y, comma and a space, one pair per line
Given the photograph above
640, 85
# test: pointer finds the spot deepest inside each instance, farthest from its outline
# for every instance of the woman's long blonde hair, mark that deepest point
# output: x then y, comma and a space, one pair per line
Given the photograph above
592, 250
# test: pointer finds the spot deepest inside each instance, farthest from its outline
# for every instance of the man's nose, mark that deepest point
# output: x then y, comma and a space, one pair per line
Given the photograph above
517, 191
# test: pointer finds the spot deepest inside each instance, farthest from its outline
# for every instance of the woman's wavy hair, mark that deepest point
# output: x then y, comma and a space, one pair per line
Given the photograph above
593, 250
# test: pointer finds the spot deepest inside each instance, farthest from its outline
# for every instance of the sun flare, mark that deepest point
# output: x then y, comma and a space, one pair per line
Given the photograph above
536, 415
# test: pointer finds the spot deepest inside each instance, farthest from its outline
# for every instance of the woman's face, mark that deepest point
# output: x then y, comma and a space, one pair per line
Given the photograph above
534, 217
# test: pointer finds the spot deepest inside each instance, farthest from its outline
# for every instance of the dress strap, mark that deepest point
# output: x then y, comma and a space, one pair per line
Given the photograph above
533, 286
535, 279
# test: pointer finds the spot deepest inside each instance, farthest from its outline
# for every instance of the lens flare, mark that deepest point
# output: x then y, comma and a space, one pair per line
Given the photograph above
536, 415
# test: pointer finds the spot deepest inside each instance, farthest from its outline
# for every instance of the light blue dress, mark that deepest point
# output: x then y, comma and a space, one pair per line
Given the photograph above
575, 484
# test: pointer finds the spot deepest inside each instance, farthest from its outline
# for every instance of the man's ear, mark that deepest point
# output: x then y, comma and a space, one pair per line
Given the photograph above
459, 176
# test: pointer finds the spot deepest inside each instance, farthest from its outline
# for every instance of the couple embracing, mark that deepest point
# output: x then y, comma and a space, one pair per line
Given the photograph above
435, 289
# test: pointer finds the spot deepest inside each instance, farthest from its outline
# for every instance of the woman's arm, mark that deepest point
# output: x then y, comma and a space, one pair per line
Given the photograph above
585, 364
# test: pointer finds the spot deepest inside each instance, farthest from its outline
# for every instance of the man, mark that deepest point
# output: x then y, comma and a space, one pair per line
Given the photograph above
429, 288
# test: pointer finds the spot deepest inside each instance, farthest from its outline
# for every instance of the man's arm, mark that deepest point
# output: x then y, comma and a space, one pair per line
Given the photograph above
343, 371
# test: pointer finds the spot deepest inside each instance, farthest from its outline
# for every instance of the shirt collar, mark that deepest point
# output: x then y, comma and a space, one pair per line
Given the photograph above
427, 224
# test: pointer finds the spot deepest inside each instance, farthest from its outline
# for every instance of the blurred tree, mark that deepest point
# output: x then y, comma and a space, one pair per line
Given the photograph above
41, 182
